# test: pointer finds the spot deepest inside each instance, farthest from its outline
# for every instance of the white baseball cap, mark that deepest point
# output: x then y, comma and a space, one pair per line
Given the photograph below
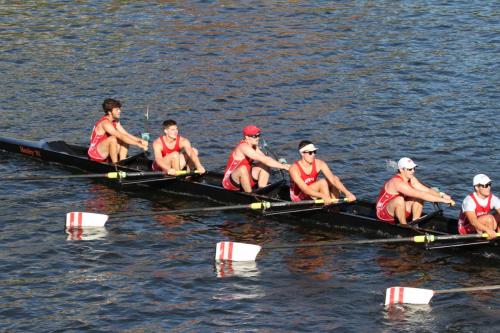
406, 163
480, 179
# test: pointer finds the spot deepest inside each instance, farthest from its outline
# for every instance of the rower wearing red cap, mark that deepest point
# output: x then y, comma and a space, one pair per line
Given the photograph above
403, 195
109, 140
173, 152
304, 182
241, 173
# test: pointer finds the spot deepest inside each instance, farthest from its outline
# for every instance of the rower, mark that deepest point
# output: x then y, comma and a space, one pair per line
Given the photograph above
109, 140
475, 215
304, 182
173, 152
403, 195
240, 171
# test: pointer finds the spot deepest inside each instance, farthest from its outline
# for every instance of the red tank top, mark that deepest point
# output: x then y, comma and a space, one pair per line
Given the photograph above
384, 197
165, 150
480, 210
95, 138
232, 164
309, 178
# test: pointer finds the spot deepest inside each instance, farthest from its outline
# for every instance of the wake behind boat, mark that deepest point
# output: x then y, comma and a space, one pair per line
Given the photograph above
359, 216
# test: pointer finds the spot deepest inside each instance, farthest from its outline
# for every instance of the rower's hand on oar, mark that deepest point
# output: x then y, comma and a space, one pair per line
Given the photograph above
350, 197
143, 144
491, 234
201, 170
286, 166
171, 172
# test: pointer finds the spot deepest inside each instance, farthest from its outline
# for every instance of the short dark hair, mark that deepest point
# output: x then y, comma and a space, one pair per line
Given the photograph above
304, 143
169, 122
109, 104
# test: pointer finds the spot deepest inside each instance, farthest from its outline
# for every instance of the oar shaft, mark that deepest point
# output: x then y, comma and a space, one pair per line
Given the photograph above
109, 175
254, 206
456, 290
414, 239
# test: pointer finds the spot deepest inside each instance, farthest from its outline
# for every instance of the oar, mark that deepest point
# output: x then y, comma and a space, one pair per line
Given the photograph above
239, 251
407, 295
109, 175
84, 219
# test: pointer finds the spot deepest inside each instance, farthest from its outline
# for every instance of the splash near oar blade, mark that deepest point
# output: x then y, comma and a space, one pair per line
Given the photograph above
233, 251
407, 295
78, 220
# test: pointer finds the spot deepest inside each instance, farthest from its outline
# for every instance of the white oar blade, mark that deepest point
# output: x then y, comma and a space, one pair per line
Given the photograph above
236, 251
406, 295
85, 220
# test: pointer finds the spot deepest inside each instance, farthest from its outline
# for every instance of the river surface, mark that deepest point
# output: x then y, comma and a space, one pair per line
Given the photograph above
367, 81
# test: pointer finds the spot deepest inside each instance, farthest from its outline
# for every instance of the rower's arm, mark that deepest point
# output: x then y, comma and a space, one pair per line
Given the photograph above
260, 157
334, 180
421, 187
403, 188
297, 179
471, 216
157, 147
122, 135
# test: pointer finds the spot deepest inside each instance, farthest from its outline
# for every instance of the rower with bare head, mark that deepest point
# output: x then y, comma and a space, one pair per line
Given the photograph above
476, 207
109, 140
173, 152
304, 182
403, 195
241, 173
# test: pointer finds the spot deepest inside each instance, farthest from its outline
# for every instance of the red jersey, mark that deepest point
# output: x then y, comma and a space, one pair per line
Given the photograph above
96, 139
296, 193
232, 165
464, 225
383, 200
165, 150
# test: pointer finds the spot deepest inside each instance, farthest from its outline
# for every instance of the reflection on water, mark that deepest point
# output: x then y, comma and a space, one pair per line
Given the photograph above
86, 234
106, 200
225, 268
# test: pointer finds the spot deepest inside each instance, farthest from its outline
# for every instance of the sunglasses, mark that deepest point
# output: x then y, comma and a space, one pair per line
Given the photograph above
310, 152
255, 136
410, 169
485, 185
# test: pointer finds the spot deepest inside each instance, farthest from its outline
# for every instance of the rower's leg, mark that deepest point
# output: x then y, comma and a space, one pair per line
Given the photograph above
334, 192
122, 148
397, 209
261, 173
174, 159
415, 206
108, 148
241, 176
488, 221
186, 162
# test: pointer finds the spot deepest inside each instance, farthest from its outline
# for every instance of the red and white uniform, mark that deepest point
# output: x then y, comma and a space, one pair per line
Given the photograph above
480, 206
232, 165
383, 200
165, 151
296, 193
96, 139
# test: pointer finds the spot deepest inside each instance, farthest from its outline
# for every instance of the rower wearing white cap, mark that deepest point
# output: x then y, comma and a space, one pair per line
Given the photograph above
475, 215
304, 182
403, 195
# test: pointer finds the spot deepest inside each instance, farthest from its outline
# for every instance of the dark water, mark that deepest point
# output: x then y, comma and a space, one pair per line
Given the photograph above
367, 81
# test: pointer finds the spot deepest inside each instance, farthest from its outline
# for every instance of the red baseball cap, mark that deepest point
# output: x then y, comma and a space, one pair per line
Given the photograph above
251, 130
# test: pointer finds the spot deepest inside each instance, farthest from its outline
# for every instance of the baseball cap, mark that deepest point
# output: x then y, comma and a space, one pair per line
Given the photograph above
251, 130
406, 163
480, 179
